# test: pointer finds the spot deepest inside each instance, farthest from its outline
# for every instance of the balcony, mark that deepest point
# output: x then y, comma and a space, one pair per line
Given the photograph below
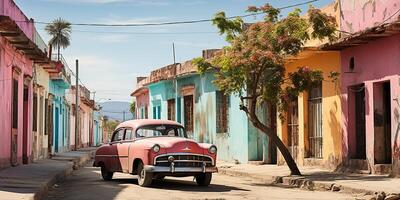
18, 30
63, 73
10, 9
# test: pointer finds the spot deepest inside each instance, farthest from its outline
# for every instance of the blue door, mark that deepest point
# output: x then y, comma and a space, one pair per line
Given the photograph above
56, 130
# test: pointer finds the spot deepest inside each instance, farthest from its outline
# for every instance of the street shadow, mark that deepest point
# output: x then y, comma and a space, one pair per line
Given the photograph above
181, 185
329, 176
85, 184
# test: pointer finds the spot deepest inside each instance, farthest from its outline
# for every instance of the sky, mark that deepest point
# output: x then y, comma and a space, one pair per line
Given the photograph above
112, 57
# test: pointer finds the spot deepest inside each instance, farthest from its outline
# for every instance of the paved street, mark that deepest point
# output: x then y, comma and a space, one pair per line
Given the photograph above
86, 184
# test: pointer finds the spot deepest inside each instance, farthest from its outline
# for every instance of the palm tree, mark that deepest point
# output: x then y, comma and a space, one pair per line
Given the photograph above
60, 30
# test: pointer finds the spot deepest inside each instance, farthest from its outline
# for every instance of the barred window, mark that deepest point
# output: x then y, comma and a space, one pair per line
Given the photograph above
315, 121
222, 105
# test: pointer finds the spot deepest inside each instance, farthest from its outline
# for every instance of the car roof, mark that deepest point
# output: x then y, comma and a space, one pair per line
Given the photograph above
145, 122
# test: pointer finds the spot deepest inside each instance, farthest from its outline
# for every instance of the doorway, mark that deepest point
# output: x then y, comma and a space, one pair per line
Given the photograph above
56, 129
188, 114
14, 129
382, 123
25, 153
293, 129
360, 123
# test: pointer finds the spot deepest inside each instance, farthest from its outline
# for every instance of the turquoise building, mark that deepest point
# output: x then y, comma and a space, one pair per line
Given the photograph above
59, 82
178, 92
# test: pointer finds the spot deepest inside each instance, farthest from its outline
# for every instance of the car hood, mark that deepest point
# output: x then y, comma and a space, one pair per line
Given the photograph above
175, 144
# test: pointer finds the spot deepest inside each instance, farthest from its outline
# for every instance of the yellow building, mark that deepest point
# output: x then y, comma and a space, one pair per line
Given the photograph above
311, 129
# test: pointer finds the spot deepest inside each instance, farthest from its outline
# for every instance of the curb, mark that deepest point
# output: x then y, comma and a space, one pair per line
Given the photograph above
71, 165
299, 182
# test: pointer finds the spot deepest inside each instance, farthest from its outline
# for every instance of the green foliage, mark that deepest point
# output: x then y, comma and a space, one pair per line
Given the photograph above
252, 66
324, 26
231, 28
60, 31
132, 107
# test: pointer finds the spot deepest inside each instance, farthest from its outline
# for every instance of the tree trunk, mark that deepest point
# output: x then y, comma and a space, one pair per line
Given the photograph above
294, 170
58, 53
251, 114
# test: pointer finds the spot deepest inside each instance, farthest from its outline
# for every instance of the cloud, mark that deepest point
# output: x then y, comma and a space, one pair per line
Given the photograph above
112, 38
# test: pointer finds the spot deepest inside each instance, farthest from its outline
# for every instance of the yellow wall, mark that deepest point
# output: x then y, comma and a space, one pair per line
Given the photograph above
331, 110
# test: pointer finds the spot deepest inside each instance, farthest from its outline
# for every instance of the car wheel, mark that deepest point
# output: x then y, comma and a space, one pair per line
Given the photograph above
107, 175
144, 178
204, 179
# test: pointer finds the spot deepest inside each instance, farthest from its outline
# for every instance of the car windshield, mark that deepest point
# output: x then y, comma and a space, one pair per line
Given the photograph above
160, 131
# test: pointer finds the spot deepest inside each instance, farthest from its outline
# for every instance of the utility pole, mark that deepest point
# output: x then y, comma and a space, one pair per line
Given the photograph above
123, 119
173, 52
76, 104
176, 86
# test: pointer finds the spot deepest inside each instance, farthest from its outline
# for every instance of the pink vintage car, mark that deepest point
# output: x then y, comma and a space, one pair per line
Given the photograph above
153, 149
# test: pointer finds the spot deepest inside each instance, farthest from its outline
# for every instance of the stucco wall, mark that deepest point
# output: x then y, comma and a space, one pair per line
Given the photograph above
357, 15
9, 58
375, 62
331, 111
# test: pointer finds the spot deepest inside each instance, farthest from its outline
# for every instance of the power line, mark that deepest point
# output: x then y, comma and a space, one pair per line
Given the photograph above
173, 22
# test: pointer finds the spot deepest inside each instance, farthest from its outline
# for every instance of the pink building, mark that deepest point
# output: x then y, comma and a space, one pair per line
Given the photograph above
370, 84
18, 52
141, 95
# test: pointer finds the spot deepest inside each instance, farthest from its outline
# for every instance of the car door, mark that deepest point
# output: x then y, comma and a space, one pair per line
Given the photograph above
123, 150
115, 164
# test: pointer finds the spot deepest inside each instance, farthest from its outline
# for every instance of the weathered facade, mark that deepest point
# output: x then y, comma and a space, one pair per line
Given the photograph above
18, 52
141, 95
178, 92
59, 83
370, 85
311, 129
85, 127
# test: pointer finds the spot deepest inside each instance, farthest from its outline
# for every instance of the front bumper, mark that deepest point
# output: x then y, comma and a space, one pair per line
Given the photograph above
159, 169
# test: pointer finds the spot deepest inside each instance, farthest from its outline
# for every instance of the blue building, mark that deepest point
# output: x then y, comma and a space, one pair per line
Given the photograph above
59, 82
178, 92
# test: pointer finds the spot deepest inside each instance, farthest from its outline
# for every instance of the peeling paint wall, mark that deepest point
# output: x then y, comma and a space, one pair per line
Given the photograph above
9, 57
375, 62
331, 113
357, 15
233, 145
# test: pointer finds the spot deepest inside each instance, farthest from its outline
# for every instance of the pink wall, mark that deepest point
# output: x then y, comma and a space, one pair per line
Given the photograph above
9, 8
8, 58
360, 14
375, 62
142, 99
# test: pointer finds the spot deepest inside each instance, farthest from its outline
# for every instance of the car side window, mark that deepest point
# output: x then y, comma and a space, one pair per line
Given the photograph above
119, 135
128, 134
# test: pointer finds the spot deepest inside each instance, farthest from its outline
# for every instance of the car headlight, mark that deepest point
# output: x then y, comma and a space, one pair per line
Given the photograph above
156, 148
212, 149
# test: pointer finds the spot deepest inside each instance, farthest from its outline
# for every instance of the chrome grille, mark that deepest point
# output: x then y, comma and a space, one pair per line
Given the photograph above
184, 160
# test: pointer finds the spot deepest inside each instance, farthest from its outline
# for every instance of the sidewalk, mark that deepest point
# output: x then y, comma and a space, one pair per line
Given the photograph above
33, 181
315, 179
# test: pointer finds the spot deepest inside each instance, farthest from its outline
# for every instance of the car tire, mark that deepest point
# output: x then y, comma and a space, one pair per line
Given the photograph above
144, 178
204, 179
107, 175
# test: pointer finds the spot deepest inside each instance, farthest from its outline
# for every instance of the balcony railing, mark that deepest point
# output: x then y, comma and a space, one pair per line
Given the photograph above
85, 93
38, 40
65, 72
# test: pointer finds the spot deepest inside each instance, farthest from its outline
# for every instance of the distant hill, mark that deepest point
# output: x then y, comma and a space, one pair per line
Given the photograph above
114, 110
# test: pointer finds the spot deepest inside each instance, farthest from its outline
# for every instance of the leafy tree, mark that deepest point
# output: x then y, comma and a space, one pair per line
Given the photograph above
132, 107
60, 31
252, 66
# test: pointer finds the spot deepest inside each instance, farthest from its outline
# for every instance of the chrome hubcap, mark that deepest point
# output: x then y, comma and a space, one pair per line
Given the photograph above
142, 174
